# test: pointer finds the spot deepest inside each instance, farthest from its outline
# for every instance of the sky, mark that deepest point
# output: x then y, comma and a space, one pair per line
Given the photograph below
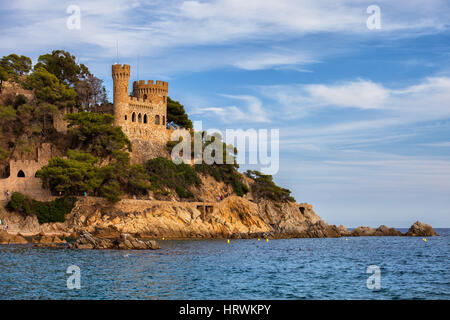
363, 113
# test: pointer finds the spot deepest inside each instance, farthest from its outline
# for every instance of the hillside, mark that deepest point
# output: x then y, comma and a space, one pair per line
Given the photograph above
77, 171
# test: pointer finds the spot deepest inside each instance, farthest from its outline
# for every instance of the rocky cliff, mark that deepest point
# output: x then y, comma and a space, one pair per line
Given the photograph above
233, 217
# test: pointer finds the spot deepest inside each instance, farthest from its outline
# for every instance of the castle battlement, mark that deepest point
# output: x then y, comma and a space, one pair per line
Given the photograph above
150, 88
24, 163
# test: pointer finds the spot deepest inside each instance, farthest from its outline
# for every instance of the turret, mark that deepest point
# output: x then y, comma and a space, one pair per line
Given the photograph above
147, 90
121, 78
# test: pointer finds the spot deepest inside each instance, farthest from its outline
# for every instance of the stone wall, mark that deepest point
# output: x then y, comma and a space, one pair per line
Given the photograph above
22, 176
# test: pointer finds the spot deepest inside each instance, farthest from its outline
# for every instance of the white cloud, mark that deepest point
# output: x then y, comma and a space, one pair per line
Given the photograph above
425, 101
253, 112
358, 94
158, 28
268, 60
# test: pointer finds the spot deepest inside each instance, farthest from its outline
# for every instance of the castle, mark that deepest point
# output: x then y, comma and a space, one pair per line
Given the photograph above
141, 115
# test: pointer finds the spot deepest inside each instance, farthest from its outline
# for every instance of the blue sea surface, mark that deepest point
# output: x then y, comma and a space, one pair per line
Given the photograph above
243, 269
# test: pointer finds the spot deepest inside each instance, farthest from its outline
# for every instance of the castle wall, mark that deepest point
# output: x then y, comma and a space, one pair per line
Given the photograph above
22, 176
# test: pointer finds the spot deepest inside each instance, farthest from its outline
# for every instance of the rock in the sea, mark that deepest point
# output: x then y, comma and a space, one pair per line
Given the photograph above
125, 242
45, 239
363, 232
344, 231
385, 231
6, 238
419, 229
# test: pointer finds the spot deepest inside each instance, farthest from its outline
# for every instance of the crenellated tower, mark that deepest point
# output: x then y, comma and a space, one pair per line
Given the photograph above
121, 79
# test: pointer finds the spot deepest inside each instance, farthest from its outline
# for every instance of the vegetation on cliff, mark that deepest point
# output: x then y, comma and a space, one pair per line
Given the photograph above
80, 173
56, 83
96, 134
264, 187
46, 211
164, 174
176, 115
222, 172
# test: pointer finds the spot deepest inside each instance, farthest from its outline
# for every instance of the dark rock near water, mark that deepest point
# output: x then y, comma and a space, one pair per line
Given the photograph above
124, 242
385, 231
6, 238
363, 232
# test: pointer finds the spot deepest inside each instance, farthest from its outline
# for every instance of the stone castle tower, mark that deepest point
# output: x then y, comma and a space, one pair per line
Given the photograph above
143, 114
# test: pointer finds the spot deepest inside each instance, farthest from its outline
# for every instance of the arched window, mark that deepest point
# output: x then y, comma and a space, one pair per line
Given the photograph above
125, 117
145, 97
145, 118
133, 117
21, 174
156, 119
140, 118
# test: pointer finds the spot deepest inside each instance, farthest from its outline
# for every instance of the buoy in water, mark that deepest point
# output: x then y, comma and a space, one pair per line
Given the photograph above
259, 239
228, 240
267, 239
424, 240
346, 238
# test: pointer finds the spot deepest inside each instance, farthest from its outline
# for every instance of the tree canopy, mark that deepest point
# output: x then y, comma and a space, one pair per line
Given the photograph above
176, 115
264, 187
15, 65
64, 66
95, 133
47, 88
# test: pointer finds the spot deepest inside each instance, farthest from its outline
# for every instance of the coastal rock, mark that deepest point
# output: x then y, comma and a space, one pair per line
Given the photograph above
419, 229
109, 232
124, 242
385, 231
363, 232
6, 238
51, 239
344, 231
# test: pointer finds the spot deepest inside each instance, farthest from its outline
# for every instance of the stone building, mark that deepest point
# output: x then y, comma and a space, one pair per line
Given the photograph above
142, 115
22, 175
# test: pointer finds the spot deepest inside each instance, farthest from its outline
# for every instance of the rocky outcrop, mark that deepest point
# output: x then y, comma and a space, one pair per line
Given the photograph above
48, 239
6, 238
385, 231
233, 217
125, 242
363, 232
344, 231
419, 229
380, 231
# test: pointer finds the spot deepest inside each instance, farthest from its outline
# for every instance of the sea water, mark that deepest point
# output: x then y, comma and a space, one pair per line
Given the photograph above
335, 268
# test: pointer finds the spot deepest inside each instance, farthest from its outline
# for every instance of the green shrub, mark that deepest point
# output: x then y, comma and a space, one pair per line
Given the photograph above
46, 211
264, 187
164, 174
